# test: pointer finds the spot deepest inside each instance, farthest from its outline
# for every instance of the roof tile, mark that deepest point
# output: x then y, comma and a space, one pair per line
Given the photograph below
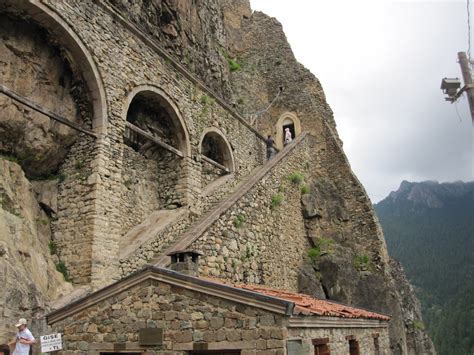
308, 305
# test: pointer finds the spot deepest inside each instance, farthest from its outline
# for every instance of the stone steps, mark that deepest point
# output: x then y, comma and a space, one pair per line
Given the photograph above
148, 229
201, 225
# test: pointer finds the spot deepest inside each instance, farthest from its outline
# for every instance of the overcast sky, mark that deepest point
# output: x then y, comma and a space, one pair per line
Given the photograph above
381, 65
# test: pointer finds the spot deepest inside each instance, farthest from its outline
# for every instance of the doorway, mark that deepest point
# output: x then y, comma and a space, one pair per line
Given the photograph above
353, 347
291, 127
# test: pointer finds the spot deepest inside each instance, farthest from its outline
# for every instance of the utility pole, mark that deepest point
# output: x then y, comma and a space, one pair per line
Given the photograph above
450, 86
467, 77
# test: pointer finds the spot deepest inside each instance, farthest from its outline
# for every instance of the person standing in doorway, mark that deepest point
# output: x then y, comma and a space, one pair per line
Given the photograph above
270, 150
288, 137
24, 339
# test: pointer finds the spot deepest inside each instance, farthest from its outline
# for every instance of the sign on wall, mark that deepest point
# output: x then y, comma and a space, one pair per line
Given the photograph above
52, 342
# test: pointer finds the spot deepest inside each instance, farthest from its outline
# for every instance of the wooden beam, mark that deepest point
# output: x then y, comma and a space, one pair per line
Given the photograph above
154, 139
27, 102
216, 164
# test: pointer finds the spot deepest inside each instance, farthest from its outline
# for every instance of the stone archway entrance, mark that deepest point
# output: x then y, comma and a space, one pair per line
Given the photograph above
156, 143
216, 154
290, 121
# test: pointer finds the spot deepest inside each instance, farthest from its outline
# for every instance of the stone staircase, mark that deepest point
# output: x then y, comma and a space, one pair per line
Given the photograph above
157, 222
201, 225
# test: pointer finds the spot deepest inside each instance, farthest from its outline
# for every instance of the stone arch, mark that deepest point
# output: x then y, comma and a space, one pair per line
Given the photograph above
286, 119
156, 99
215, 146
155, 155
76, 52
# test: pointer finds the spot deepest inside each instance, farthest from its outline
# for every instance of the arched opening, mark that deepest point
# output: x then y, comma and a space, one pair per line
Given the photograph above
155, 117
286, 121
217, 159
156, 144
44, 64
73, 51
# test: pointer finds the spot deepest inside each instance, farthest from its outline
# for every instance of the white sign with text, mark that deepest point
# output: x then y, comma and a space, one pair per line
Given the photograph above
52, 342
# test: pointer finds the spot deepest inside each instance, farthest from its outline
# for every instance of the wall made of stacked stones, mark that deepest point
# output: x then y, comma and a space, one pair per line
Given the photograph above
125, 62
149, 250
73, 223
261, 239
339, 338
185, 316
209, 173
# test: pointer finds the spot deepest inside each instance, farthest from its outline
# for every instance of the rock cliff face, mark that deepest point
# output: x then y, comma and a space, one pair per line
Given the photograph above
29, 276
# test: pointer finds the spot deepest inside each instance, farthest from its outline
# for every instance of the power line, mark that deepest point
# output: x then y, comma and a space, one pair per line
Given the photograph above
457, 111
469, 31
253, 116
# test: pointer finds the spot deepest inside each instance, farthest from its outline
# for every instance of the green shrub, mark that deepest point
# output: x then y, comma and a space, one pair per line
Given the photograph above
9, 158
322, 245
296, 178
239, 221
53, 247
418, 324
207, 100
233, 65
363, 262
277, 199
304, 189
62, 268
314, 253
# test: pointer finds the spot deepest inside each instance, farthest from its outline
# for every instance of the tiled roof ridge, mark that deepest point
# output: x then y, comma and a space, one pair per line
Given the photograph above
306, 304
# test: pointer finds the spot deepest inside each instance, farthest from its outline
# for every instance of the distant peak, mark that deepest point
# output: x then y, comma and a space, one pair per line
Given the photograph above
430, 193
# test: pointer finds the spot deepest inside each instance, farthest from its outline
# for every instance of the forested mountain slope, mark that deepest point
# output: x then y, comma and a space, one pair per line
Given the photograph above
429, 228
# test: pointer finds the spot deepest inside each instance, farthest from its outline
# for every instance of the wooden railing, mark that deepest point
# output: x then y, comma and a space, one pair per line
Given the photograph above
153, 139
33, 105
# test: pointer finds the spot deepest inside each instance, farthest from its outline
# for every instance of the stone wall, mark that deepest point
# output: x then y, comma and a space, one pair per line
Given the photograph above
104, 160
73, 223
261, 239
185, 316
339, 343
209, 173
198, 320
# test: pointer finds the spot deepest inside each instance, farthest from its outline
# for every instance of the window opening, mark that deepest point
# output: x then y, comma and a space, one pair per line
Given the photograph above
353, 347
321, 346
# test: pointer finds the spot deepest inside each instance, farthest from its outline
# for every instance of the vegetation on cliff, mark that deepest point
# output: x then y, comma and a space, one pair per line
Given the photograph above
429, 228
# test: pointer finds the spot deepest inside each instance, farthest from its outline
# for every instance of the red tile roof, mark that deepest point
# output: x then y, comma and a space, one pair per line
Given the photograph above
307, 305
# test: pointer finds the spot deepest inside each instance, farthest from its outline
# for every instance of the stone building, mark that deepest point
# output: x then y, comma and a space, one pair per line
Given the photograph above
162, 151
160, 311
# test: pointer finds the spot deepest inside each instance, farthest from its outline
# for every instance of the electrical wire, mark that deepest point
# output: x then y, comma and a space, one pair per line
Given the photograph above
254, 116
469, 31
457, 111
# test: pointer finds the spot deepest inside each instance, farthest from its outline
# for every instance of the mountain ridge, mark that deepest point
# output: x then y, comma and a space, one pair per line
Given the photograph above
428, 227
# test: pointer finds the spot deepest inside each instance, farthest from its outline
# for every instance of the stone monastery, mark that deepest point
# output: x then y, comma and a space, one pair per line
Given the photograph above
139, 213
